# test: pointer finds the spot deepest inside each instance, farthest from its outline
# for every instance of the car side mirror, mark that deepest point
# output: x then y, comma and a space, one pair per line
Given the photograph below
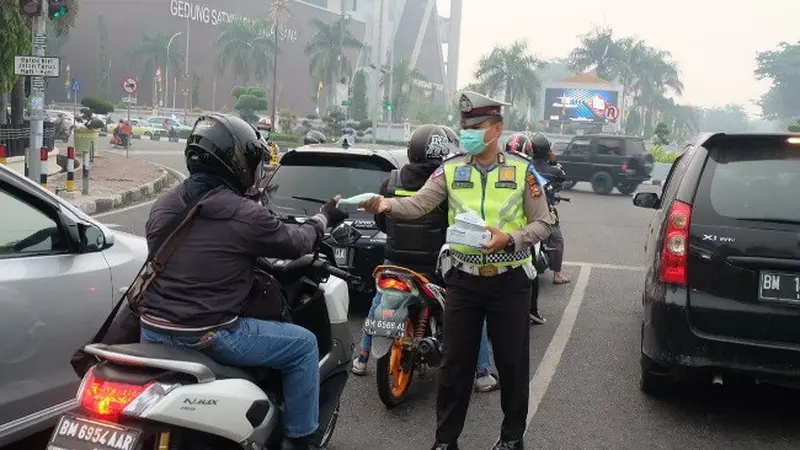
648, 200
91, 238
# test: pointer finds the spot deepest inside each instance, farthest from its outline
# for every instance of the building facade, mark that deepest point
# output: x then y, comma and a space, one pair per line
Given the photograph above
410, 29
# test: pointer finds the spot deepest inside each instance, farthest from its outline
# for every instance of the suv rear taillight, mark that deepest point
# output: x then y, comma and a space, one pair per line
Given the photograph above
624, 167
676, 244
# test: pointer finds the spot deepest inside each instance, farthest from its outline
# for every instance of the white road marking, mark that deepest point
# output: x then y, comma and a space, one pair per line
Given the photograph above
604, 266
552, 357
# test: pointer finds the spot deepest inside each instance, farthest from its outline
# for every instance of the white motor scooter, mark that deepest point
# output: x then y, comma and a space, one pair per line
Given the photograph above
148, 396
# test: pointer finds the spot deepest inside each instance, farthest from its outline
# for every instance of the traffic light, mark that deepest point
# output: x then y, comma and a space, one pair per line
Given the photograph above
57, 9
33, 8
30, 8
387, 104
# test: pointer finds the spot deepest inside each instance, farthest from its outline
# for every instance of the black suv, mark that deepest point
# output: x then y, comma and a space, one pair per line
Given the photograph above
313, 173
722, 287
607, 162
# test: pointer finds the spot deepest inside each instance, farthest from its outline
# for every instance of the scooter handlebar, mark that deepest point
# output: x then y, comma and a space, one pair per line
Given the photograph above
337, 272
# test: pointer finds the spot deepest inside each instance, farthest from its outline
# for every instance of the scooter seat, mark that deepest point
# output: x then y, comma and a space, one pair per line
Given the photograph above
158, 351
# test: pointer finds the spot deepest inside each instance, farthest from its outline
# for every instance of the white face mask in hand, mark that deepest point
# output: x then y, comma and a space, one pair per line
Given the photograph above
356, 199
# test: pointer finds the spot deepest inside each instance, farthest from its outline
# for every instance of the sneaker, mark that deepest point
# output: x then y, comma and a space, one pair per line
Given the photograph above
444, 447
509, 445
484, 381
536, 318
360, 365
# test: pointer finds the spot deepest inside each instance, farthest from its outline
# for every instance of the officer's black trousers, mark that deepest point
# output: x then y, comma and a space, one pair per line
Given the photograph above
504, 300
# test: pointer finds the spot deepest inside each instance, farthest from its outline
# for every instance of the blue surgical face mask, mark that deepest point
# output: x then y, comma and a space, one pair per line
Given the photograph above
471, 141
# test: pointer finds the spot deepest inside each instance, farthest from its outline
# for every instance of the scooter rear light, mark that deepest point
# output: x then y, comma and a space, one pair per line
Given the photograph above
394, 284
107, 398
110, 399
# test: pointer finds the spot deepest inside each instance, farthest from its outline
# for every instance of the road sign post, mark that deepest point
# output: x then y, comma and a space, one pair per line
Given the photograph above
75, 88
129, 86
37, 68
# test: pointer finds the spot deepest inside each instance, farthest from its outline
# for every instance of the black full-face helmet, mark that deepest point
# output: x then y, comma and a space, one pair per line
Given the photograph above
228, 147
428, 143
541, 146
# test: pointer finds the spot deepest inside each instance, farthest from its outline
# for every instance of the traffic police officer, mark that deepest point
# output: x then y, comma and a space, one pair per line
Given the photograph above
491, 284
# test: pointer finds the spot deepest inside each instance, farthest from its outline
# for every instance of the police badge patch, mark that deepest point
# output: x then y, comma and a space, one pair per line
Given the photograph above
533, 185
507, 178
463, 177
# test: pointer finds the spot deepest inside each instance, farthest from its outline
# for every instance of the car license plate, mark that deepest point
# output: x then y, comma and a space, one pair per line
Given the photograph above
779, 286
342, 256
386, 328
79, 433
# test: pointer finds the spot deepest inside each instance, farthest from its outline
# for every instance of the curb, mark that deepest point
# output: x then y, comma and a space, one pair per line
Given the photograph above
135, 195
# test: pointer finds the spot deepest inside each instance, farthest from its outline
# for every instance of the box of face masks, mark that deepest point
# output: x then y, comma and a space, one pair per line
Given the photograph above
468, 229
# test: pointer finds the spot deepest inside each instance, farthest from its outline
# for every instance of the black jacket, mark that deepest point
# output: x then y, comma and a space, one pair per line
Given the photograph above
210, 278
413, 243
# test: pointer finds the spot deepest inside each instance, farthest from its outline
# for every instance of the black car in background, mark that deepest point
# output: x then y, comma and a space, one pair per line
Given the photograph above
314, 173
607, 162
722, 286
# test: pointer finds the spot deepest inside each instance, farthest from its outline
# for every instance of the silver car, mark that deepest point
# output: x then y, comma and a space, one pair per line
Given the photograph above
60, 274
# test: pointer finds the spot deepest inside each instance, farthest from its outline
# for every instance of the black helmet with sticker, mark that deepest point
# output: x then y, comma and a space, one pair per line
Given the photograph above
428, 143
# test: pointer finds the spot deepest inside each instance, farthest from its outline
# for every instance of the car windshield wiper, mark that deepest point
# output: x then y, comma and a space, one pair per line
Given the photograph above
309, 199
769, 219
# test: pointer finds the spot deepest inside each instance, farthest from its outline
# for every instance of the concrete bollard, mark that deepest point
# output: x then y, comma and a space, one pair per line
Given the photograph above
70, 169
85, 172
43, 167
3, 154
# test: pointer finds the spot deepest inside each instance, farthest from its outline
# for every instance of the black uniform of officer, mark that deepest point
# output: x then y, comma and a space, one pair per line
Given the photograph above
492, 284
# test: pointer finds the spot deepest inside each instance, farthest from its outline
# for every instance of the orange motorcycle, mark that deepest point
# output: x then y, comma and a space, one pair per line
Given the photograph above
406, 329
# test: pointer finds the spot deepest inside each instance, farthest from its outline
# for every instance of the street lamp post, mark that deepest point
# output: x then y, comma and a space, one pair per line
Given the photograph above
166, 74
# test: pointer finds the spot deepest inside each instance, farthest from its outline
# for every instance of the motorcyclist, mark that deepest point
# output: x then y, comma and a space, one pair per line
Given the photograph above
198, 298
544, 161
265, 128
521, 143
415, 243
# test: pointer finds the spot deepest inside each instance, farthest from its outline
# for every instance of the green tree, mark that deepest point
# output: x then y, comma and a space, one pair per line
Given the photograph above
279, 14
358, 100
402, 78
661, 134
600, 53
249, 100
782, 68
728, 119
151, 52
245, 47
103, 60
794, 127
14, 40
196, 80
326, 51
512, 70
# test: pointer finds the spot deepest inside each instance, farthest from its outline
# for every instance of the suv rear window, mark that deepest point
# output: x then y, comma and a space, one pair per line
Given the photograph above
754, 179
635, 147
323, 176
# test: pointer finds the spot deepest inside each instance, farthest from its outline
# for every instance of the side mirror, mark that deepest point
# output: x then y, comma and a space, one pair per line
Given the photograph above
648, 200
345, 235
92, 238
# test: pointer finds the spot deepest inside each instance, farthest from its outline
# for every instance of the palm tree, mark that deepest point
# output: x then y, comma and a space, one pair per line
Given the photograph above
655, 76
279, 14
327, 52
599, 53
512, 69
245, 47
402, 79
152, 52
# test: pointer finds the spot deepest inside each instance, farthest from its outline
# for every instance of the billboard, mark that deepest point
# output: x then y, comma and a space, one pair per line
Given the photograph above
581, 105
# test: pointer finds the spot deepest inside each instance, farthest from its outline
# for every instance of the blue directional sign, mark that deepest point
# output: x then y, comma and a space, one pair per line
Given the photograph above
75, 86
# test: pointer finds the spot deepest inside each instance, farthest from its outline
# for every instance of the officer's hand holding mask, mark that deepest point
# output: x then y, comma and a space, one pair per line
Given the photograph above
376, 205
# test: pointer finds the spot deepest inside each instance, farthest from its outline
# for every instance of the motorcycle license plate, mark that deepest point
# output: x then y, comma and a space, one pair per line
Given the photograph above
385, 328
79, 433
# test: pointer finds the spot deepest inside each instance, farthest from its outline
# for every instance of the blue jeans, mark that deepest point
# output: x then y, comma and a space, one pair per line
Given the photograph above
483, 352
260, 343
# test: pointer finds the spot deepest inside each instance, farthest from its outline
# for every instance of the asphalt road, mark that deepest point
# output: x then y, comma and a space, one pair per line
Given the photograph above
584, 360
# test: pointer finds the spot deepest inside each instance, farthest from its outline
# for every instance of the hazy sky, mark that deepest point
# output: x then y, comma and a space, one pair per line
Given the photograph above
714, 42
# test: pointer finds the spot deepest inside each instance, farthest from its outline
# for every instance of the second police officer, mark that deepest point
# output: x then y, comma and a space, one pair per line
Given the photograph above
491, 284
